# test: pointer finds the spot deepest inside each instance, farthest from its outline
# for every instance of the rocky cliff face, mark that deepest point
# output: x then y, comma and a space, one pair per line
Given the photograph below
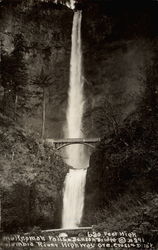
116, 46
121, 189
121, 180
48, 47
117, 40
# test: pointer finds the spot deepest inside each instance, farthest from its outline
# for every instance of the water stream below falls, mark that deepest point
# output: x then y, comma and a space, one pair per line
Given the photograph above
73, 200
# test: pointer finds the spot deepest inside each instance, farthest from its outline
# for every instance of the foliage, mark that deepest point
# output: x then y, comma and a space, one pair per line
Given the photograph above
43, 80
128, 213
107, 117
13, 76
123, 174
32, 171
149, 104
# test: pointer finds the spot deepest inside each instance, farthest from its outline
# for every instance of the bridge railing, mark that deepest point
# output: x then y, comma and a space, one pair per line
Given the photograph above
74, 140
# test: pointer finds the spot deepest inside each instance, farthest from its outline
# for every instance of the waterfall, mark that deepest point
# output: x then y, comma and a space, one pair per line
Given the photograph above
69, 3
74, 185
75, 154
73, 198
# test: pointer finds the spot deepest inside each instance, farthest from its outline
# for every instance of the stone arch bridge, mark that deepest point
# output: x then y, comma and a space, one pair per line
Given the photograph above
61, 143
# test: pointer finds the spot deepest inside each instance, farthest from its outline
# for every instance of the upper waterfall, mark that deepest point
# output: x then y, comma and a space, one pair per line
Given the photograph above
75, 154
69, 3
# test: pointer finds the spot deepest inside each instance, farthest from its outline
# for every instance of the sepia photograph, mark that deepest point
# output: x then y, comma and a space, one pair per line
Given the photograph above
78, 124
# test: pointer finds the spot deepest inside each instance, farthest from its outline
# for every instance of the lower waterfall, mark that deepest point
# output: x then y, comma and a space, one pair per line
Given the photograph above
74, 186
74, 198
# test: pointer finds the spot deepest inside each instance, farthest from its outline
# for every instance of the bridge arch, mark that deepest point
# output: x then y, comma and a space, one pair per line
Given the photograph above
61, 143
68, 144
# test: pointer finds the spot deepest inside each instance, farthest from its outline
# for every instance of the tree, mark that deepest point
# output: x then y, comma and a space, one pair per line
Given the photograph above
20, 75
43, 80
13, 75
107, 117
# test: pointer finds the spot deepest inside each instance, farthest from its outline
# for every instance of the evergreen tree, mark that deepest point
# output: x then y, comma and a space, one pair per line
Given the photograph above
13, 76
43, 80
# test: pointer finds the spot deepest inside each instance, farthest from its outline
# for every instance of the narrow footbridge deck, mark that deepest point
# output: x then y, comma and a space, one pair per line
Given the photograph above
60, 143
74, 140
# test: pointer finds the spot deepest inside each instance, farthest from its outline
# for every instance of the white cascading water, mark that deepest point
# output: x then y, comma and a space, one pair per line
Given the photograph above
73, 200
69, 3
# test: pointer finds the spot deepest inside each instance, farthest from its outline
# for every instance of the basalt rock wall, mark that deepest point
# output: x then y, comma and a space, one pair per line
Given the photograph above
116, 41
